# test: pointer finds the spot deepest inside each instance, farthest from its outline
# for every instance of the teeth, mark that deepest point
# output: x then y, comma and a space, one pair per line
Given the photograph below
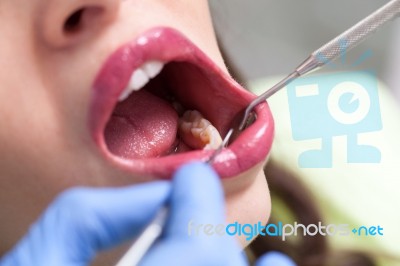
141, 76
198, 132
138, 80
125, 94
153, 68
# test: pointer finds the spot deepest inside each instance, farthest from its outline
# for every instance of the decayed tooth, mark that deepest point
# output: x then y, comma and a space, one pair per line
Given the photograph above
152, 68
197, 132
138, 80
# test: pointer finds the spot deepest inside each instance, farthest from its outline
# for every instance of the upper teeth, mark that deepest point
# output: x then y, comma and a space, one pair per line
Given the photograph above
141, 76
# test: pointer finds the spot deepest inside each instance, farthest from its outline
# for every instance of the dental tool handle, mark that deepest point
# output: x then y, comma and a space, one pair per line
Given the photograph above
144, 242
351, 37
331, 50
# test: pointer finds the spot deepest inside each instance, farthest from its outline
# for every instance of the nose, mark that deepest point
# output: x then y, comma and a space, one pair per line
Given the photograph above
64, 23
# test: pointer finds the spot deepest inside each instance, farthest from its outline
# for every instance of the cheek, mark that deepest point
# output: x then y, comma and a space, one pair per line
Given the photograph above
29, 178
250, 204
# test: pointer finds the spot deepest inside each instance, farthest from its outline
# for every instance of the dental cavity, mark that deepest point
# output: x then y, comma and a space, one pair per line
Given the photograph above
197, 132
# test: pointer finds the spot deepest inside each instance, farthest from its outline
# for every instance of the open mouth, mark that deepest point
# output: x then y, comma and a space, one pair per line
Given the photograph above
159, 102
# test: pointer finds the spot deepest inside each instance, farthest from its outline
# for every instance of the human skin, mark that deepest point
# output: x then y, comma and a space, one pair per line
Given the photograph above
46, 78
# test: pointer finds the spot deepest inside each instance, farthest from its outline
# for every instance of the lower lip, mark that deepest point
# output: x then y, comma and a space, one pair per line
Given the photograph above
248, 150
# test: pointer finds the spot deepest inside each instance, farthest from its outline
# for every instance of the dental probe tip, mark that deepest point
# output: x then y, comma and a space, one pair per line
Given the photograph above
263, 97
223, 144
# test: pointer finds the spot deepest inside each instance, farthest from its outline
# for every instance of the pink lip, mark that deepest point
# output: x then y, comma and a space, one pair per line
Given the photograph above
166, 44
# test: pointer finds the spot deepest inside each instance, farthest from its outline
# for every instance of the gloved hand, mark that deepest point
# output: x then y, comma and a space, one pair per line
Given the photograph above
82, 222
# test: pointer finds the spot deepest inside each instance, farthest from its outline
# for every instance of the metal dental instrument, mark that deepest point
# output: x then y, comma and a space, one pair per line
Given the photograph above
327, 53
221, 147
154, 230
145, 241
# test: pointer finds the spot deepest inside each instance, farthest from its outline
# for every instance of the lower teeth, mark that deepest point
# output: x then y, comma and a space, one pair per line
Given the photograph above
197, 132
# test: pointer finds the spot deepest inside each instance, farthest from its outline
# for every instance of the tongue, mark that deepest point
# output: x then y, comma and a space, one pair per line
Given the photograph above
142, 126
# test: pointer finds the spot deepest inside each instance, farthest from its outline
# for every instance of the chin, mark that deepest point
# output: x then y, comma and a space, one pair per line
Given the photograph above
248, 200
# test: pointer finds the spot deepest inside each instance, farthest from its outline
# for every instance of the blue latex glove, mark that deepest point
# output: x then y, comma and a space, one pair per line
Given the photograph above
275, 259
82, 222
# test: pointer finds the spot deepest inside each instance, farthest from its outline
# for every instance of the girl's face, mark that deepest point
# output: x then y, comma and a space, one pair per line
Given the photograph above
69, 119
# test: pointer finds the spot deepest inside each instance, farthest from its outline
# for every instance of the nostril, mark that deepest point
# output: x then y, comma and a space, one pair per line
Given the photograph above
74, 21
65, 23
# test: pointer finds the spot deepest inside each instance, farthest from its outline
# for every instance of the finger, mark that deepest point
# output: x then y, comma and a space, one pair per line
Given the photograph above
83, 221
197, 198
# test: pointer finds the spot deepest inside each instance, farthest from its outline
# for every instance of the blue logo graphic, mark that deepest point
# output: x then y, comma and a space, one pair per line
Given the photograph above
340, 104
284, 231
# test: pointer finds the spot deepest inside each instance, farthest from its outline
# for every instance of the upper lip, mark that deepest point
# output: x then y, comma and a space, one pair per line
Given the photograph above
166, 44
